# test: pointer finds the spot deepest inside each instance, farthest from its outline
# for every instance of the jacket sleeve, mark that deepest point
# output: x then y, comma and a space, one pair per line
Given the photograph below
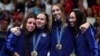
10, 43
91, 39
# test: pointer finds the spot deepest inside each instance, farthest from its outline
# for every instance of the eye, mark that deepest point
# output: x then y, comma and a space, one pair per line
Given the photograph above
33, 23
71, 17
30, 22
40, 18
53, 10
57, 9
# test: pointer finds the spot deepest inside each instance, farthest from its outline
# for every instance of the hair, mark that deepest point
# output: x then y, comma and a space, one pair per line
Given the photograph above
35, 3
47, 29
20, 7
16, 24
79, 19
8, 1
63, 16
50, 1
27, 35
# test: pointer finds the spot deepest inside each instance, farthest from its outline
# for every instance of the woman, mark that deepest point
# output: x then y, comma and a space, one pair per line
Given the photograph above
61, 36
15, 45
85, 43
40, 43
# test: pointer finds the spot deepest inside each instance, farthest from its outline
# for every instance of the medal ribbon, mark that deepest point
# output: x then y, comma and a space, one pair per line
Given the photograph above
35, 43
59, 34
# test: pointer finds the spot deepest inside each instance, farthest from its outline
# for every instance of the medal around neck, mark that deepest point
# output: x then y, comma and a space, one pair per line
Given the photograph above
59, 46
34, 53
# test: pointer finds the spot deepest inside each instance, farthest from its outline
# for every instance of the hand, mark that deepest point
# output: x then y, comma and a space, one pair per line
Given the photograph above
16, 54
84, 27
16, 31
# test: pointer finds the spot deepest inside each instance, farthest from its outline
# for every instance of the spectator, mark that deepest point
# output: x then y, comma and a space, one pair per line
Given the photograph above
36, 9
90, 16
96, 8
6, 5
97, 24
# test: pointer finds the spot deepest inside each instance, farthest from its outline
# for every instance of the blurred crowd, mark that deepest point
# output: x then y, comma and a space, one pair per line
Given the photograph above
12, 12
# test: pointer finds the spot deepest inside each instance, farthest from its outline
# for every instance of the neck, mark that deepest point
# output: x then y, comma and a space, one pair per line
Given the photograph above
57, 22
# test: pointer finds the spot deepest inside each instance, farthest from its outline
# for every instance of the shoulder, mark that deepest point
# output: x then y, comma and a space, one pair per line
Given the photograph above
91, 31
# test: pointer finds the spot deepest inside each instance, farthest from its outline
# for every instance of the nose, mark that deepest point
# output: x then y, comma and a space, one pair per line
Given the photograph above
39, 20
55, 12
70, 20
32, 24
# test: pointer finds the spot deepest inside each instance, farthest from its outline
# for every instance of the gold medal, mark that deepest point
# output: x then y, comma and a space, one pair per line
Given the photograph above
34, 53
59, 46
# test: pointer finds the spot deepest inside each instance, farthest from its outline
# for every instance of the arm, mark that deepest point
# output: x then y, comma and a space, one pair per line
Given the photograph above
15, 31
11, 42
91, 39
84, 27
16, 54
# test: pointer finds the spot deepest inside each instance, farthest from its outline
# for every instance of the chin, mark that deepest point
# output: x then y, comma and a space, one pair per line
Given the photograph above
72, 25
39, 26
30, 30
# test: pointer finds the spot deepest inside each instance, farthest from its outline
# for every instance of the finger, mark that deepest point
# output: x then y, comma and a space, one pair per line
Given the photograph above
17, 33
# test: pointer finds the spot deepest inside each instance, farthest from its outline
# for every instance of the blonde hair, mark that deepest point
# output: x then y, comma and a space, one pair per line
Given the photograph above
63, 16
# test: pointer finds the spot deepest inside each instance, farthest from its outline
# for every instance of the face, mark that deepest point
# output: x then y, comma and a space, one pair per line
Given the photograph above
98, 2
89, 12
5, 1
47, 1
37, 2
56, 12
72, 19
98, 20
30, 25
21, 15
5, 25
41, 20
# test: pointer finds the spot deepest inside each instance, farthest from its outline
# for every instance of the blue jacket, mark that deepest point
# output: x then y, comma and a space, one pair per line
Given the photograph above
13, 44
86, 44
66, 41
43, 46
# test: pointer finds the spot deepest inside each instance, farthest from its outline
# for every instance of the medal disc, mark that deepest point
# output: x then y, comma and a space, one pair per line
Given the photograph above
59, 46
34, 53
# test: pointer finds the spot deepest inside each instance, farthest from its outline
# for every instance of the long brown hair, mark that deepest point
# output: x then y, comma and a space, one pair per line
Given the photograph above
27, 35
